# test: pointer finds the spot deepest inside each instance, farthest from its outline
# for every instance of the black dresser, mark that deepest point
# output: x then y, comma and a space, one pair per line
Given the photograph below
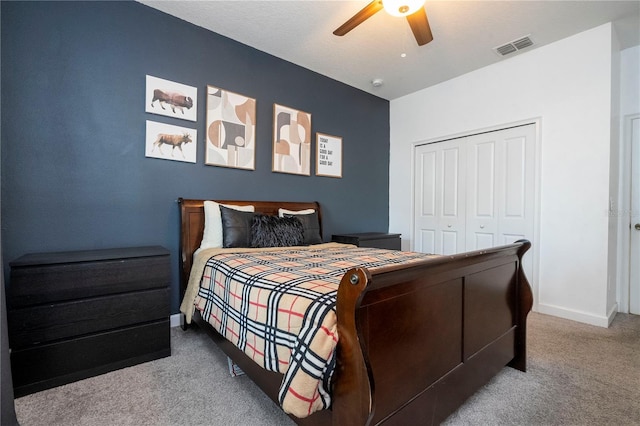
370, 239
74, 315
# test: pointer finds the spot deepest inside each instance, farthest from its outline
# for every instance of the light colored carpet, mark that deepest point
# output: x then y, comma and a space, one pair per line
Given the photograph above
577, 375
191, 387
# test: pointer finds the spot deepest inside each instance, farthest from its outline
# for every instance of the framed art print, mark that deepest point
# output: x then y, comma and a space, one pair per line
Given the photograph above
172, 99
291, 141
170, 142
328, 155
231, 129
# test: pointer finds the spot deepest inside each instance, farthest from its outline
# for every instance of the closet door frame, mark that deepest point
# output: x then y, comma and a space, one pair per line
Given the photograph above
532, 257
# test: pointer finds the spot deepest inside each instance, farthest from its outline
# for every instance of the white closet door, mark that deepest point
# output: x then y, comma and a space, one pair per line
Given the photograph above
517, 188
500, 187
439, 198
482, 201
475, 192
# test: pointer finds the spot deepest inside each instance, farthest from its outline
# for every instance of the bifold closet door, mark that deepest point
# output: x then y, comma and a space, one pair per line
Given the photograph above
500, 187
474, 192
439, 199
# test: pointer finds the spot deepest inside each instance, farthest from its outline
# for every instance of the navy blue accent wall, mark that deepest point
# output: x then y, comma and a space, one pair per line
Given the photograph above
74, 172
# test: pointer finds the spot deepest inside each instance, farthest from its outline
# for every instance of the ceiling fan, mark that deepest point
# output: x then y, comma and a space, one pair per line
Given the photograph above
413, 10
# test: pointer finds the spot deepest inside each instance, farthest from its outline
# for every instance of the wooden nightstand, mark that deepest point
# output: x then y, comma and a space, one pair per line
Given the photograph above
370, 239
74, 315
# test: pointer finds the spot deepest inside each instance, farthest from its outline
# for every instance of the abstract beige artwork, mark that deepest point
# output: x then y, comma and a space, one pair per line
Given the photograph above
231, 129
291, 141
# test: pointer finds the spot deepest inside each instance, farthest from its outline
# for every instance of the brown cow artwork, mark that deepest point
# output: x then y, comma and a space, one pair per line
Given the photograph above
166, 97
175, 141
170, 142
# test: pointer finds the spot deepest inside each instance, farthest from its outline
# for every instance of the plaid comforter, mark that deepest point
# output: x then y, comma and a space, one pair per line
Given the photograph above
278, 306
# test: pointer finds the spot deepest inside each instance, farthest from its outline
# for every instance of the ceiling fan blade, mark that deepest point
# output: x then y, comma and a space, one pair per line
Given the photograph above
366, 12
420, 26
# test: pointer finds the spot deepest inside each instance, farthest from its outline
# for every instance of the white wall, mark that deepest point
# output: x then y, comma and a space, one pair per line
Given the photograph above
567, 86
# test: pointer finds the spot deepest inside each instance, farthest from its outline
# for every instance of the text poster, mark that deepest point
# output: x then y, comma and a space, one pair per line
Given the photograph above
328, 155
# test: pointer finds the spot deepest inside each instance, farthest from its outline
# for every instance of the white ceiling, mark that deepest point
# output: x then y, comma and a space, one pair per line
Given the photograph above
465, 33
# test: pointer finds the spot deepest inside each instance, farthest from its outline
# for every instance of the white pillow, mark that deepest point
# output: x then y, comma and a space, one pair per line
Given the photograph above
282, 212
212, 237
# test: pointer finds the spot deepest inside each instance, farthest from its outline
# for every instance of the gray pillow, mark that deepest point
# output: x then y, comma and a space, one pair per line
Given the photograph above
311, 227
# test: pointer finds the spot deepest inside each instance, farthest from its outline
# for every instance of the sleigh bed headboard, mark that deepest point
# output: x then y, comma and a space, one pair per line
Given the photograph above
192, 225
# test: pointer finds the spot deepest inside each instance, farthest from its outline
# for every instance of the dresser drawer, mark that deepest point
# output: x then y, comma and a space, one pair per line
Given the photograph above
34, 283
54, 364
45, 323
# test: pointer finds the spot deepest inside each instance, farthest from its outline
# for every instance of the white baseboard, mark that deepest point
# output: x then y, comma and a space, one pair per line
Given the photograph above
612, 313
584, 317
175, 320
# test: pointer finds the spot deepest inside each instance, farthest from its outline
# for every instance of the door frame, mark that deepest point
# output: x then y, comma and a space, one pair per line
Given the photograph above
534, 252
625, 213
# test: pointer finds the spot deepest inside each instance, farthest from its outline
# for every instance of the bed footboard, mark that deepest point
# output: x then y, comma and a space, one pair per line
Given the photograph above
417, 341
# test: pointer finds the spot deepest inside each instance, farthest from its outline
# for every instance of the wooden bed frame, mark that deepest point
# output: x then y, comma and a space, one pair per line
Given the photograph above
414, 341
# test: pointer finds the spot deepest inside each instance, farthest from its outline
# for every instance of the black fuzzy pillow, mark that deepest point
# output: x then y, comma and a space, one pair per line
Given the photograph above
274, 231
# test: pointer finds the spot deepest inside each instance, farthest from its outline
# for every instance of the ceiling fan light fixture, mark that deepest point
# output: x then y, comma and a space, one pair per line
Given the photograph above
402, 8
412, 10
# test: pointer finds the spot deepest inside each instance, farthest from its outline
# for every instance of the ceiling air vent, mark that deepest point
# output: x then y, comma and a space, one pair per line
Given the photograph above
514, 46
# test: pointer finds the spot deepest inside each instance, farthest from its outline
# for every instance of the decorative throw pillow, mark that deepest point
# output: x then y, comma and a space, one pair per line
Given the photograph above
274, 231
236, 227
311, 227
212, 236
282, 212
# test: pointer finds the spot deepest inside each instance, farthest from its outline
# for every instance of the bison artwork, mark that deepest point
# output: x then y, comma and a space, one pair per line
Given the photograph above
175, 141
175, 100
